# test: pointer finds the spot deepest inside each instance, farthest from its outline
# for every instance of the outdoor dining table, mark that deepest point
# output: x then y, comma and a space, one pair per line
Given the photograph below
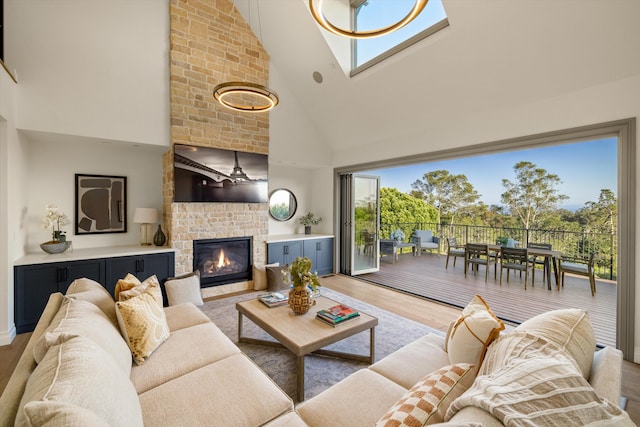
550, 258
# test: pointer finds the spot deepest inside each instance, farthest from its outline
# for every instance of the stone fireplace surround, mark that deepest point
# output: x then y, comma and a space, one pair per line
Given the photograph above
210, 43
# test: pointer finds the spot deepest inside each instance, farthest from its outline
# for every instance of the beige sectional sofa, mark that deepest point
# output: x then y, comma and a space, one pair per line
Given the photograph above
84, 376
76, 372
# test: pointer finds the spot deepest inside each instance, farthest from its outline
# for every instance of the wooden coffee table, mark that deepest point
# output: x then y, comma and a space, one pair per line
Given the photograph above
305, 334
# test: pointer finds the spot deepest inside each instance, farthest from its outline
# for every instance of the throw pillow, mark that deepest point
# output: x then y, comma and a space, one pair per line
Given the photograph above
143, 324
568, 328
472, 333
184, 289
92, 291
130, 287
277, 278
427, 401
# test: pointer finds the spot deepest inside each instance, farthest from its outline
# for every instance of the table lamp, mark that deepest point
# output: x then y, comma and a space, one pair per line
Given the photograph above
145, 217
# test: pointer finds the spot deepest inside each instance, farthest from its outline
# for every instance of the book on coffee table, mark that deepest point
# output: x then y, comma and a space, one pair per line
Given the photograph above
337, 314
274, 299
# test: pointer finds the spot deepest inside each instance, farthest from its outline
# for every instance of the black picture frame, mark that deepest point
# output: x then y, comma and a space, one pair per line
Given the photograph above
100, 204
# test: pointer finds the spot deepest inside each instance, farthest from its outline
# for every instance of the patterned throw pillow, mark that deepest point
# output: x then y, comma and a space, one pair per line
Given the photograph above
130, 287
427, 401
469, 337
143, 324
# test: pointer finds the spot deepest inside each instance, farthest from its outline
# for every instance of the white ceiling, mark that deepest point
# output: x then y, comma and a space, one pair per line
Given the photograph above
496, 54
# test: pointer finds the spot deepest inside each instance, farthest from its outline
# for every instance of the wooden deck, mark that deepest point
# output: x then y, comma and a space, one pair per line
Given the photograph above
426, 276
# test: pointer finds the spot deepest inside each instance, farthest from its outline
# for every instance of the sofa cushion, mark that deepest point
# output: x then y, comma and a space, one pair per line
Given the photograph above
130, 287
290, 419
218, 391
183, 316
79, 372
143, 324
78, 317
184, 289
427, 401
187, 349
92, 291
570, 329
412, 362
472, 333
331, 408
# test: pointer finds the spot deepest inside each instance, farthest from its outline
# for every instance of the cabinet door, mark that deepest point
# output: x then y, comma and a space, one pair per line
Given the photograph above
32, 286
162, 265
284, 252
141, 266
320, 251
117, 268
93, 269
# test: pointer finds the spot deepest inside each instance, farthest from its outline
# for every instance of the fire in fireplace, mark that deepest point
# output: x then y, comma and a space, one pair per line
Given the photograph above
222, 261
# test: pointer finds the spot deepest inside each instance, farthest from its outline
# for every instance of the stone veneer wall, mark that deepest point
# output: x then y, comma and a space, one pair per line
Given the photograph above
210, 43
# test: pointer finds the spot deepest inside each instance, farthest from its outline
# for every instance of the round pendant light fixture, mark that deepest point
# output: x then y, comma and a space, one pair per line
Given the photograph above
322, 20
245, 96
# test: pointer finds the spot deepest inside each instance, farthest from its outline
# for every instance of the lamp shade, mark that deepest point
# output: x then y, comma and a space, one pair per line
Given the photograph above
145, 216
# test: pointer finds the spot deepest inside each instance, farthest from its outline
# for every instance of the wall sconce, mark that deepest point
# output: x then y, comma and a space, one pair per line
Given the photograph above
145, 217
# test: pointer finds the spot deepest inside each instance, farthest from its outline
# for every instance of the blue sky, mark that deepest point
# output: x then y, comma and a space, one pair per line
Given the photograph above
584, 168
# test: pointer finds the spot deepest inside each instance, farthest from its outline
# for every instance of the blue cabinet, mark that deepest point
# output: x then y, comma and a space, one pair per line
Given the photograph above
319, 250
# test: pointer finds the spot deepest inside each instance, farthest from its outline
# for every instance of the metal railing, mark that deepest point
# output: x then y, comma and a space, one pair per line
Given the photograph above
572, 245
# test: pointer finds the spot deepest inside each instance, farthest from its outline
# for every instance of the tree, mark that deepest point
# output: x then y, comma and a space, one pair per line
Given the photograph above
603, 214
532, 194
446, 192
400, 208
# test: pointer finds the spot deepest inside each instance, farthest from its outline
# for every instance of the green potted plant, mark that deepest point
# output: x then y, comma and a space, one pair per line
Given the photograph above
308, 220
305, 285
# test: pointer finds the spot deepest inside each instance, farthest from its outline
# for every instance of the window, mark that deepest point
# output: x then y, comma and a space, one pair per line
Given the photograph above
373, 14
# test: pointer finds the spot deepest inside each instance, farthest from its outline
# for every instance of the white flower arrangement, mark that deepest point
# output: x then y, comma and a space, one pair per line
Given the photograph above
54, 219
398, 235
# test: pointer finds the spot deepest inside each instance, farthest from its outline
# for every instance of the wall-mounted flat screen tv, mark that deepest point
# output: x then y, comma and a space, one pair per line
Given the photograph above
204, 174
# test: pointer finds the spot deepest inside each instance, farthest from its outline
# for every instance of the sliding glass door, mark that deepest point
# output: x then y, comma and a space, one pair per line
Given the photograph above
360, 222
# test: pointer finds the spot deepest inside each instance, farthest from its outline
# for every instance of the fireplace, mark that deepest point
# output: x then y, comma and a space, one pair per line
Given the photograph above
222, 261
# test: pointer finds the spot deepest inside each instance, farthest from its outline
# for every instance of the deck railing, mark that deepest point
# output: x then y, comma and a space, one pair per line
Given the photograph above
572, 245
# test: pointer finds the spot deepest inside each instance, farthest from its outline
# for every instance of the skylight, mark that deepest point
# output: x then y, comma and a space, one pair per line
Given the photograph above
372, 14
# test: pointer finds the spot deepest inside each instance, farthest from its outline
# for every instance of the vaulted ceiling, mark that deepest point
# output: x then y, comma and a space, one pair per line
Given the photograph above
496, 54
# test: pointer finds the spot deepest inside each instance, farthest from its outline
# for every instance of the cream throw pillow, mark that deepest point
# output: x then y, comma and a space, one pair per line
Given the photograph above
92, 291
130, 287
80, 373
570, 329
184, 289
469, 337
427, 402
143, 324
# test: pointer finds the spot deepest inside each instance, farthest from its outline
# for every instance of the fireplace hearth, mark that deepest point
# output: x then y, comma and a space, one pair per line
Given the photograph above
222, 261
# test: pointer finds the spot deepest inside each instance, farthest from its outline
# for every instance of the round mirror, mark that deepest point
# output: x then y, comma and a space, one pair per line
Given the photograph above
282, 204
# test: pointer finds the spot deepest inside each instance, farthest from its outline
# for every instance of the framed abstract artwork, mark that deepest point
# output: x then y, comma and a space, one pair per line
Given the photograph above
101, 204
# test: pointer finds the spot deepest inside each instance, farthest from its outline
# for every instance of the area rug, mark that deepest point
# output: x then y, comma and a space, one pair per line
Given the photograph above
392, 333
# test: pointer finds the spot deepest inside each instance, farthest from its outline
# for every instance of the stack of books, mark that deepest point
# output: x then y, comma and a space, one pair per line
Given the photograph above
337, 314
274, 299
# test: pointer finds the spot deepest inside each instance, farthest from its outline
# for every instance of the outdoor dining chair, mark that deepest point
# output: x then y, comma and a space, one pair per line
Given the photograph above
539, 260
580, 269
476, 255
515, 259
454, 250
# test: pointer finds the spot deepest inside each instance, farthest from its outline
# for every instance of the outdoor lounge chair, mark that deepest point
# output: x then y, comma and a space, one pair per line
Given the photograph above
424, 239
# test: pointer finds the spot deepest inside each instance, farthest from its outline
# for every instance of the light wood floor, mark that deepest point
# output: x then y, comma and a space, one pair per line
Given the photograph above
430, 313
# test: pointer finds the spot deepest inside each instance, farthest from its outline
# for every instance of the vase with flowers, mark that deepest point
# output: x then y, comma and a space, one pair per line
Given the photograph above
308, 220
55, 220
398, 235
304, 285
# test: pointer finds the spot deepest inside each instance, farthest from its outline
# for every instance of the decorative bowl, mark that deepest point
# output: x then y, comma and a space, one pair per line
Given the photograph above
55, 248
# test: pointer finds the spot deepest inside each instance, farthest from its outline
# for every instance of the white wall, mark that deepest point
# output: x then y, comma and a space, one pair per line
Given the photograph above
51, 180
91, 67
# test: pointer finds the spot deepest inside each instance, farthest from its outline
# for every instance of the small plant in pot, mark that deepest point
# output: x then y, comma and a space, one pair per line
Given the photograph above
308, 220
304, 285
55, 220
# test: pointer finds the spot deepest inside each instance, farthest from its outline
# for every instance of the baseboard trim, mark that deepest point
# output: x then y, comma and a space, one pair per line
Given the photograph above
7, 337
